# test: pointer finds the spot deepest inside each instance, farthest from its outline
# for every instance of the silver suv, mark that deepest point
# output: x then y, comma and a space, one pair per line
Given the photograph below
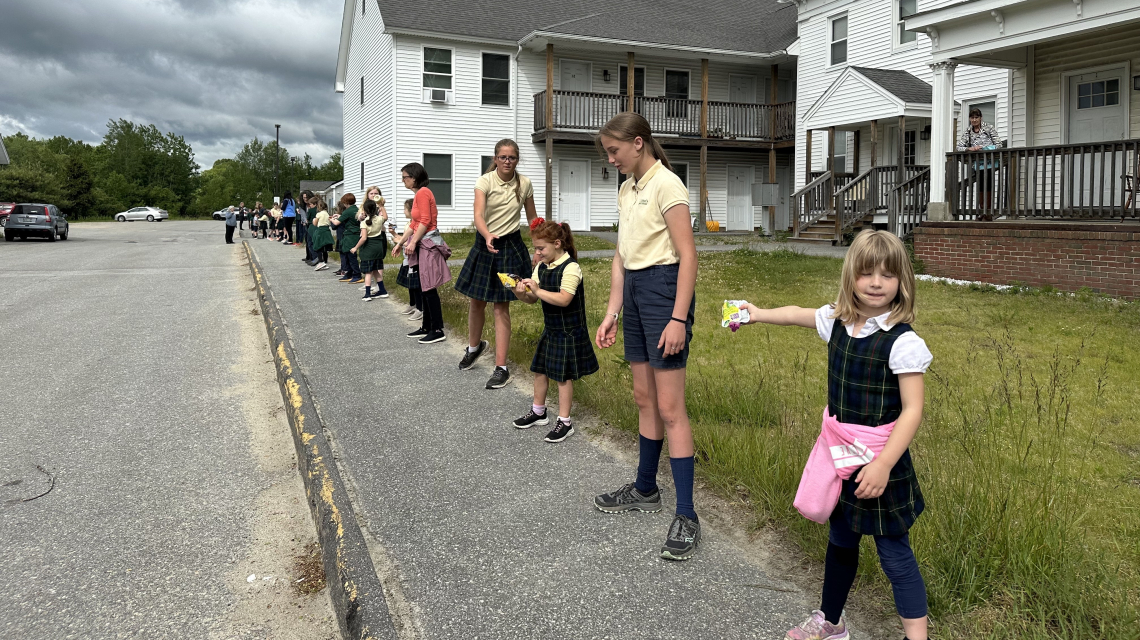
43, 220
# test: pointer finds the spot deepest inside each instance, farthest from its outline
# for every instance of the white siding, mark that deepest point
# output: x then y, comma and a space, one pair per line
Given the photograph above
368, 130
869, 44
1052, 59
465, 129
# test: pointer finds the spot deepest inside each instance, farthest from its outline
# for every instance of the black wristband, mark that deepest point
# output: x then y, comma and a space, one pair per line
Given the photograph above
679, 320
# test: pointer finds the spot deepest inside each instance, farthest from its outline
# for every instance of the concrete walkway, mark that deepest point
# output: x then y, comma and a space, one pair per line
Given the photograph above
487, 531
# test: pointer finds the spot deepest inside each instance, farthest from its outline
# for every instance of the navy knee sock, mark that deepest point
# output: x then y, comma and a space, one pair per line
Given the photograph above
839, 569
683, 481
647, 465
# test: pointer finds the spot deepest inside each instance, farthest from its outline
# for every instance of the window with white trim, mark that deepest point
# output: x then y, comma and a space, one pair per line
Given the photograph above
496, 79
437, 68
903, 10
838, 37
438, 166
910, 147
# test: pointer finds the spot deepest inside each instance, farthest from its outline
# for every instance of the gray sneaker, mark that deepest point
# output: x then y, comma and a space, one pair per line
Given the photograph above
682, 540
628, 498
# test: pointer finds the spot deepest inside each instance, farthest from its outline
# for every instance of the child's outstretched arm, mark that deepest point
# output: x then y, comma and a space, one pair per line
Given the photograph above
872, 479
784, 316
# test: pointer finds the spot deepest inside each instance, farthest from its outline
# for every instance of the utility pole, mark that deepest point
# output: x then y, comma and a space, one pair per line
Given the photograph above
293, 173
277, 163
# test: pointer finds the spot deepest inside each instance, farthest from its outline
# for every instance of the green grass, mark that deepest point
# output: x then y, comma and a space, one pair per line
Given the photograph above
1029, 455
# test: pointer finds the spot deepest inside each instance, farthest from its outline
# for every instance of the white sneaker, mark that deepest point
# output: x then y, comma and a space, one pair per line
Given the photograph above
417, 315
407, 310
363, 287
321, 267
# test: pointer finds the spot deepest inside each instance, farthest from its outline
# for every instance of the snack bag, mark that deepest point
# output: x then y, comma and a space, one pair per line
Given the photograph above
733, 315
509, 280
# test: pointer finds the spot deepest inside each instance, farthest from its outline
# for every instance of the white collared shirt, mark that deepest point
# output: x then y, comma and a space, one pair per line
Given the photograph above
909, 353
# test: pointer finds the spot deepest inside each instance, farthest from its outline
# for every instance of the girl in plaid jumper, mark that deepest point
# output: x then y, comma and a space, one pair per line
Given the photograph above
875, 379
564, 352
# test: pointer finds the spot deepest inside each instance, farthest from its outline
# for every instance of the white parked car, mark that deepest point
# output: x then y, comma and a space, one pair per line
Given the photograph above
150, 214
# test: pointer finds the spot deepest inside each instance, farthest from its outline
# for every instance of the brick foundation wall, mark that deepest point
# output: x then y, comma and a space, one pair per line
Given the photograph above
1102, 257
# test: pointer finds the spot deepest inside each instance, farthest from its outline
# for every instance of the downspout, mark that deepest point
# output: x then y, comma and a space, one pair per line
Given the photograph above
515, 86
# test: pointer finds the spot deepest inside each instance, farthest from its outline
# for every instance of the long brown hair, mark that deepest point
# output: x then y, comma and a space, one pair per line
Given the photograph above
494, 166
555, 232
627, 126
371, 210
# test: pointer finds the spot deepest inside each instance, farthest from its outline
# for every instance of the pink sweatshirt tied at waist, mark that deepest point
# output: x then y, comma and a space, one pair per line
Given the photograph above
839, 450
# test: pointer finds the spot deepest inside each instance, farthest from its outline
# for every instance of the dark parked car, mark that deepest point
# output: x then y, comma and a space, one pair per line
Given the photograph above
43, 220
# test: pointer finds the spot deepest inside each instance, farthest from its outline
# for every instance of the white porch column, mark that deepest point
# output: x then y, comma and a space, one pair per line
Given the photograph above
941, 137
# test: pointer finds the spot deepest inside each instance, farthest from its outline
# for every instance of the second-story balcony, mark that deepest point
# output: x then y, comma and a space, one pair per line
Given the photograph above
578, 114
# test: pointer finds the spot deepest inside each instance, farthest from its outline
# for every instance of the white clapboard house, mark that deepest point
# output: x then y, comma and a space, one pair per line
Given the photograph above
1075, 105
439, 82
864, 109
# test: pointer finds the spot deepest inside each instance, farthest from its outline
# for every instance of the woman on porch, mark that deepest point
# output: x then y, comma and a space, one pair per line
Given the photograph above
981, 136
500, 194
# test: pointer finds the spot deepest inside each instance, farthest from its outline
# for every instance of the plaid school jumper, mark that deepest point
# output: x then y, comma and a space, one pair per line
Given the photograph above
861, 389
564, 350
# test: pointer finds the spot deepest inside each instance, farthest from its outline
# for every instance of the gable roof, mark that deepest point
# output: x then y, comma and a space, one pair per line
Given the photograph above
902, 84
744, 26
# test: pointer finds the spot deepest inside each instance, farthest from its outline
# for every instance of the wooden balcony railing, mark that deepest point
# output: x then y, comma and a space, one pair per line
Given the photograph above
1075, 181
587, 111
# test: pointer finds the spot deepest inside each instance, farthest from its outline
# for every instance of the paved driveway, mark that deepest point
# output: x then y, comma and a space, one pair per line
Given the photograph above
132, 372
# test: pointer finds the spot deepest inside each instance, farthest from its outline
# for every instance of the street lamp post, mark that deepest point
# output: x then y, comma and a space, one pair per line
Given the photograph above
277, 163
293, 173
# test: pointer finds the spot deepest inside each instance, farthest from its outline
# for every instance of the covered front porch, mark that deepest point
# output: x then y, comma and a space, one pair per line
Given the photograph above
868, 155
1074, 143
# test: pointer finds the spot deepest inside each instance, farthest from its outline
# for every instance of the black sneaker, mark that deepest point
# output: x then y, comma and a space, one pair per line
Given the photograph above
560, 432
683, 538
530, 419
469, 357
628, 498
434, 336
499, 378
418, 333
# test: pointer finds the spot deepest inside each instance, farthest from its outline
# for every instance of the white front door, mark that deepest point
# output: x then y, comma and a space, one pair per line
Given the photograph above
574, 193
784, 211
740, 198
741, 121
573, 110
742, 89
1096, 106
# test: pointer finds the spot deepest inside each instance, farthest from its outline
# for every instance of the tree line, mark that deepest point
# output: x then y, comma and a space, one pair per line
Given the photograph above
137, 165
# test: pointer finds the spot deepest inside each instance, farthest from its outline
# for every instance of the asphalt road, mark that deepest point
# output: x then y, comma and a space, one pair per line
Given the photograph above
485, 531
128, 355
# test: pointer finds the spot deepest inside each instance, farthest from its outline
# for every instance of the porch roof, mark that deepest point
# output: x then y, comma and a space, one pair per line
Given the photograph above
995, 33
862, 94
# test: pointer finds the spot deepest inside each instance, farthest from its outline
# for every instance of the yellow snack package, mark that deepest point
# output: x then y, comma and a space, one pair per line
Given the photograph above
732, 315
509, 280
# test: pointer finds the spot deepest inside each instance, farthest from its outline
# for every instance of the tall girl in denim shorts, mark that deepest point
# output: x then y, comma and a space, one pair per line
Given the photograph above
653, 277
865, 486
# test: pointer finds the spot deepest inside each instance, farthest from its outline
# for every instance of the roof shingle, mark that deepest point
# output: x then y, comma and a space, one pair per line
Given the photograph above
906, 86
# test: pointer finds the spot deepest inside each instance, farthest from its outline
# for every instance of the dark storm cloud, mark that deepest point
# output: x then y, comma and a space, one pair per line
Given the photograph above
214, 71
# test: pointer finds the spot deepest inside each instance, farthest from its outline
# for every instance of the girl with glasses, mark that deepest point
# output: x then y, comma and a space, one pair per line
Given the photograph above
500, 194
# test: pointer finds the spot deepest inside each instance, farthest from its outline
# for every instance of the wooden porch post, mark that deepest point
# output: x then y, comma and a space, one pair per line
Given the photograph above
808, 159
902, 151
630, 74
703, 216
855, 161
774, 71
831, 184
549, 130
874, 142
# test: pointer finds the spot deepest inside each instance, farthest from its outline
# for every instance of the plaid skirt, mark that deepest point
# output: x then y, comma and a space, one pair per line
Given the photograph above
368, 266
479, 277
892, 513
564, 355
408, 277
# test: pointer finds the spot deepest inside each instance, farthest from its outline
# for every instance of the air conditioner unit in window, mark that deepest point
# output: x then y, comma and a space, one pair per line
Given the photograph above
439, 95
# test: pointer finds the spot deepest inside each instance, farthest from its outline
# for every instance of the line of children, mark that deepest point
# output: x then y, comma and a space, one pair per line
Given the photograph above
564, 353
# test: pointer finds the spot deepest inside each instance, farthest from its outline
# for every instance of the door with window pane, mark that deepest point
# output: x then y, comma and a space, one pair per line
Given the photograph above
676, 93
1096, 114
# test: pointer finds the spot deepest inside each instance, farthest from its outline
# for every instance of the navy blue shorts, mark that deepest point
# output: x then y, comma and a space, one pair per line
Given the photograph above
648, 300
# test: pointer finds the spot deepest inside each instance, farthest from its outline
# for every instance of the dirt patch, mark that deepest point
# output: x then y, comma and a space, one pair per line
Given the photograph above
308, 571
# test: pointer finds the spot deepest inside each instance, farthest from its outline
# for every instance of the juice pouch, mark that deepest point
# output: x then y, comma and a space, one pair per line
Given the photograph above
733, 315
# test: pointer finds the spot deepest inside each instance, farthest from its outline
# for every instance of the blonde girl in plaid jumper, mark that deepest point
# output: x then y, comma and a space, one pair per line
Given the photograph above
875, 378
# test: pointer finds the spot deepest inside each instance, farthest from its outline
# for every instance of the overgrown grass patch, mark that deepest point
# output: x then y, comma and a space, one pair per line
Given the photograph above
1028, 454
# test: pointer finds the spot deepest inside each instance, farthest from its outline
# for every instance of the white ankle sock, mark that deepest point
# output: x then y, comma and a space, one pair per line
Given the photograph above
539, 409
472, 349
565, 420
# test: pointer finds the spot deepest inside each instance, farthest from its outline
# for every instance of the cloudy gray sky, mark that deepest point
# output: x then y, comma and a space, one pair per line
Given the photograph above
218, 72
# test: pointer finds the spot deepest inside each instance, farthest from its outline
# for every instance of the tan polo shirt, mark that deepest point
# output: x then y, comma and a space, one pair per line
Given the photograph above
571, 275
643, 237
502, 211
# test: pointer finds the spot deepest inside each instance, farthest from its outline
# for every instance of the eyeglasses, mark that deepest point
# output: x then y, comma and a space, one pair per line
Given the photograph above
405, 177
508, 158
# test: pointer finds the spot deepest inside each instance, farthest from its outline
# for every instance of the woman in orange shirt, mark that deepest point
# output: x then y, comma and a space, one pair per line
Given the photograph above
426, 251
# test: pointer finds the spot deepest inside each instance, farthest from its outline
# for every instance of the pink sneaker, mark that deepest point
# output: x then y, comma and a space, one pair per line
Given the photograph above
816, 627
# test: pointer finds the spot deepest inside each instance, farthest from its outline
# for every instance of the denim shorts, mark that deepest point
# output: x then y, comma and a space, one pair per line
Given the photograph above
648, 299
